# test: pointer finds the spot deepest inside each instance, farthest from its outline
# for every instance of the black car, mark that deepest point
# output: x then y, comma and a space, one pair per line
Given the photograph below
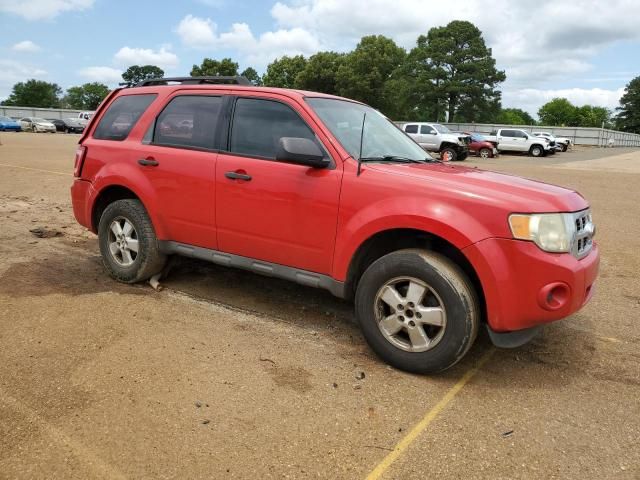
69, 125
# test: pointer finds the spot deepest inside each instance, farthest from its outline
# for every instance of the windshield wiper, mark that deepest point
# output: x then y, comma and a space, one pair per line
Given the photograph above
394, 158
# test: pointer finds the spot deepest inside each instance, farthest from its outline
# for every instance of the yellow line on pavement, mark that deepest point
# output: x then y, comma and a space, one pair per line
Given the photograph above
431, 415
34, 169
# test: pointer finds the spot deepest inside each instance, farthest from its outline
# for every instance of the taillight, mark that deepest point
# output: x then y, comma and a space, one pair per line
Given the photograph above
81, 153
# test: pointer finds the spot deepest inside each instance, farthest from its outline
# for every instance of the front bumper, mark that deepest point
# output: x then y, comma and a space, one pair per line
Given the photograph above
45, 129
525, 286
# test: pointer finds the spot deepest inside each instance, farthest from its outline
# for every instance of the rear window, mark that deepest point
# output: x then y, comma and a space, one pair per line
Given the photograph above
121, 116
188, 121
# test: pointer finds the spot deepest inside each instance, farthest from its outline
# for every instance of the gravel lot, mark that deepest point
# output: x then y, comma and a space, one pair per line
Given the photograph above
224, 374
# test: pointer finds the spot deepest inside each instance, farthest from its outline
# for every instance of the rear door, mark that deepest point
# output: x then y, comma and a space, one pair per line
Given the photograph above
178, 158
507, 140
283, 213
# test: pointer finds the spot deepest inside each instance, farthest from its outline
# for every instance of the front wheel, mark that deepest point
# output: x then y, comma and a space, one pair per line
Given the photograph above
448, 155
128, 242
537, 151
485, 153
417, 310
565, 147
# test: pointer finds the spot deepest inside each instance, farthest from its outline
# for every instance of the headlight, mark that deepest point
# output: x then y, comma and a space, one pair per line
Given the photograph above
552, 232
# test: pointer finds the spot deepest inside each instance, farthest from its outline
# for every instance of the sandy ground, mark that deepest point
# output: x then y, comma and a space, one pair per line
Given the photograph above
224, 374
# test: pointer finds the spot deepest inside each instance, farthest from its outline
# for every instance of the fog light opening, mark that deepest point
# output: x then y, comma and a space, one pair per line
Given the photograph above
554, 296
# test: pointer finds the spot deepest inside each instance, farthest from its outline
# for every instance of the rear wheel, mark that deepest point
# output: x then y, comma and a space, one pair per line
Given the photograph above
417, 310
128, 242
485, 153
448, 154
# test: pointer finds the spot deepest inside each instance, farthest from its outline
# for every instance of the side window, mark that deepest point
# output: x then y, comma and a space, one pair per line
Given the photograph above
188, 121
508, 133
258, 125
411, 128
121, 116
426, 130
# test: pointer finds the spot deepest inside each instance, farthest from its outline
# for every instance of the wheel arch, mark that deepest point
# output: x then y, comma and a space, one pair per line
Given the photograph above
387, 241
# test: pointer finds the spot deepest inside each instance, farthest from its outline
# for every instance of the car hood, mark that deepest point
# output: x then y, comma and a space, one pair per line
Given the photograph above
45, 124
9, 123
498, 190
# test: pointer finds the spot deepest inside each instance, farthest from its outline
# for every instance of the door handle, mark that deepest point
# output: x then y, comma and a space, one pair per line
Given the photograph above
148, 162
237, 176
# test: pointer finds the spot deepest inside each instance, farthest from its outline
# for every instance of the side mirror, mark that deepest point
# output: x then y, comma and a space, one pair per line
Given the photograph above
433, 132
302, 151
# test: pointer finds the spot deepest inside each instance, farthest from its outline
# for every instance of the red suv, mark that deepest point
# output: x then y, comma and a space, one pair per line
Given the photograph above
327, 192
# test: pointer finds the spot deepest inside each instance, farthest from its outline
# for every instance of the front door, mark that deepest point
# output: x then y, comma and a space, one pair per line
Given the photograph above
282, 213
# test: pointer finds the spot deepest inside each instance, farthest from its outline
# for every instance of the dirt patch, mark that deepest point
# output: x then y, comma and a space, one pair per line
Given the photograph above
64, 274
43, 232
292, 377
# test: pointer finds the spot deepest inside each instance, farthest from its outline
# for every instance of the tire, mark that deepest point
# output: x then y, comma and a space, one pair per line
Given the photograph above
448, 154
485, 153
463, 156
134, 266
446, 291
565, 147
536, 151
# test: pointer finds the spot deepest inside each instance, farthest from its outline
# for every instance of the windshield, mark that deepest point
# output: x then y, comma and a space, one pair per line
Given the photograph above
476, 137
441, 128
41, 120
5, 119
381, 137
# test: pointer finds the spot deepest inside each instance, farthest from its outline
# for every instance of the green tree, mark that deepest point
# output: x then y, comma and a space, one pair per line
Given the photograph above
365, 71
514, 116
251, 75
283, 72
137, 73
559, 112
85, 97
319, 73
628, 118
34, 93
458, 68
215, 68
592, 116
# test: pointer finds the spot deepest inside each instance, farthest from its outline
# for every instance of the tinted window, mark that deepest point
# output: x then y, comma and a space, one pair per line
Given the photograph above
121, 116
508, 133
188, 121
411, 129
258, 126
426, 129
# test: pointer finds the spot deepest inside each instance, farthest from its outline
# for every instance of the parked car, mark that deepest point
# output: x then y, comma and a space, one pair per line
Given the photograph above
481, 146
434, 137
327, 192
9, 125
36, 125
67, 125
564, 142
516, 140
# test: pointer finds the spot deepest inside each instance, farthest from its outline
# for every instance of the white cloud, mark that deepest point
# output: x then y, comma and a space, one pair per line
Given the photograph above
43, 9
12, 72
532, 40
196, 32
107, 75
26, 46
531, 99
163, 58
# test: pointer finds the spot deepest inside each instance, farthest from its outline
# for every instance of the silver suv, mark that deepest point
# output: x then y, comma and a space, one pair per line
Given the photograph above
434, 137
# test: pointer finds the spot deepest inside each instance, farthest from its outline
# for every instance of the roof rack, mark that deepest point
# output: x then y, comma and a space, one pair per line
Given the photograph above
231, 80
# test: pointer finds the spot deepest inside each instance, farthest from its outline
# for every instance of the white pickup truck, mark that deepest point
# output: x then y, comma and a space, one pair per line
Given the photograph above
515, 140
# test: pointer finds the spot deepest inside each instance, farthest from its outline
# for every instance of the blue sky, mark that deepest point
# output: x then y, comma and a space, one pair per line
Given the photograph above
585, 50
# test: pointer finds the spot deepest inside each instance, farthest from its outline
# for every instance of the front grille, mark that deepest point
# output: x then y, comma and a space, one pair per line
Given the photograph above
585, 230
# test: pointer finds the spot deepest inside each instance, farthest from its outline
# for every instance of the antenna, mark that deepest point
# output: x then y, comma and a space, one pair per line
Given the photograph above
364, 117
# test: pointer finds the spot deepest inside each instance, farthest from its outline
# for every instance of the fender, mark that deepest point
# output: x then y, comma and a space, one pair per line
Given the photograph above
457, 226
130, 177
